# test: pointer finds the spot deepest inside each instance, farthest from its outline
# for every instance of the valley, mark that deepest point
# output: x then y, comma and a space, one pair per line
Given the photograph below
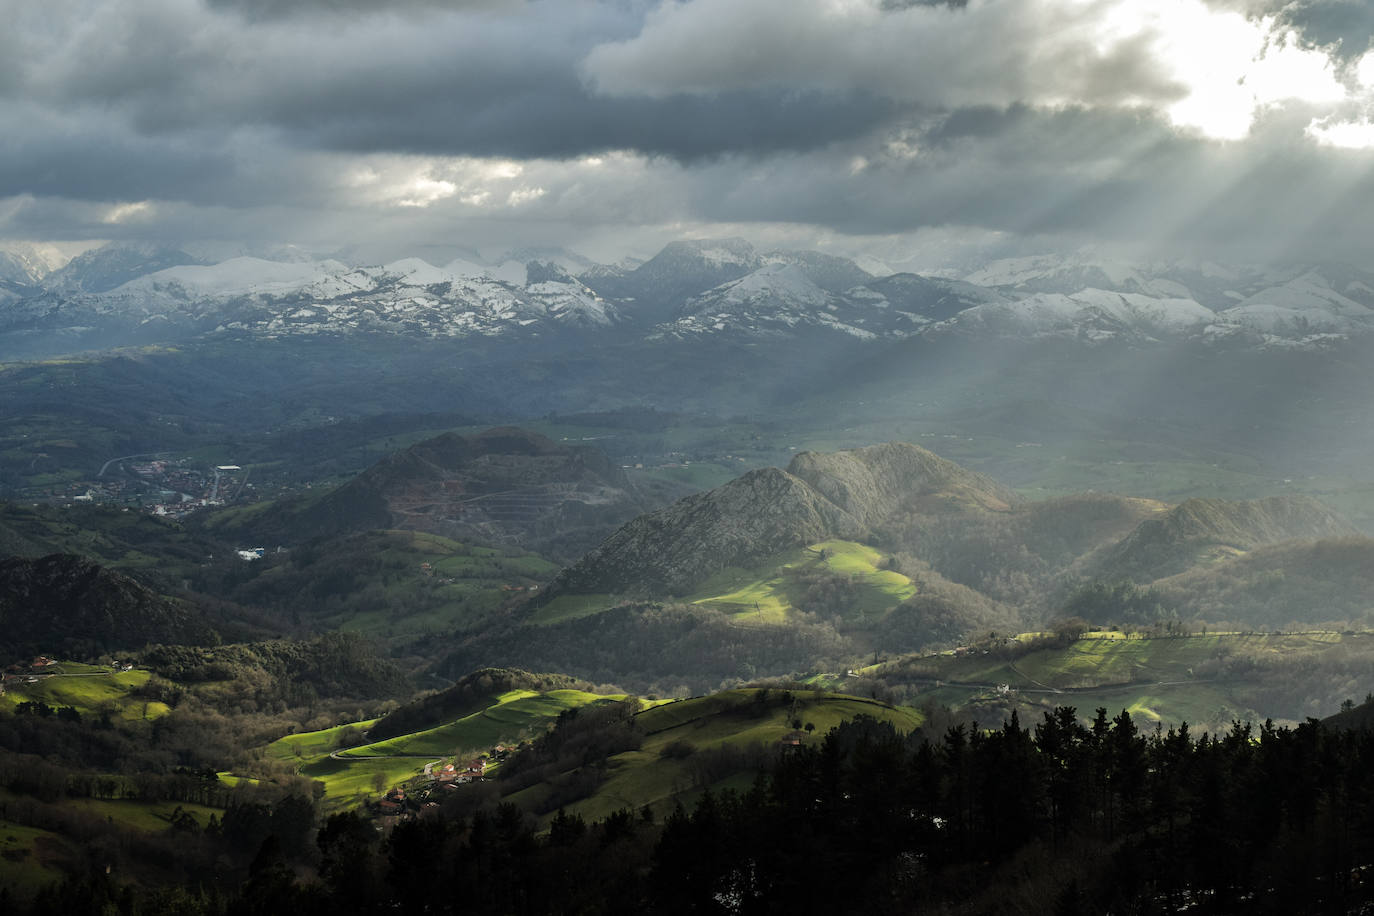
547, 559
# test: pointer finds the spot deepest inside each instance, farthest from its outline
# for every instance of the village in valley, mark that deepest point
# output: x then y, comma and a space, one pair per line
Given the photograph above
160, 484
437, 779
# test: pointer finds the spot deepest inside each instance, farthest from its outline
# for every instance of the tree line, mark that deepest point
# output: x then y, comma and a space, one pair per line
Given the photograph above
1064, 817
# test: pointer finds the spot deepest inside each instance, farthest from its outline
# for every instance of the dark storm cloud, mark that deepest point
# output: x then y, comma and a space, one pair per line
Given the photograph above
342, 120
1079, 174
486, 79
562, 121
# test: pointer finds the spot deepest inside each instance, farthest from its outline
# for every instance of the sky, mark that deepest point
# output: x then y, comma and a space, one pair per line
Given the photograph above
909, 130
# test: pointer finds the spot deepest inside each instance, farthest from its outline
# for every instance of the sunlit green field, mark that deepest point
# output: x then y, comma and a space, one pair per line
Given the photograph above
517, 714
351, 777
1157, 680
313, 744
647, 777
88, 689
141, 815
767, 593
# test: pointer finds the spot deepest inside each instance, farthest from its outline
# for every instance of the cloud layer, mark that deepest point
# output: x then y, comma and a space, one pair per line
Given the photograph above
390, 129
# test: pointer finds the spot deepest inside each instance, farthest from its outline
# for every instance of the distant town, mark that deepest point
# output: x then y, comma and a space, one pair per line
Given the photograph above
159, 484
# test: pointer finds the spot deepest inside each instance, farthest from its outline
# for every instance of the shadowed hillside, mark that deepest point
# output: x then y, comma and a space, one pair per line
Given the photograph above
1202, 530
505, 485
820, 496
69, 605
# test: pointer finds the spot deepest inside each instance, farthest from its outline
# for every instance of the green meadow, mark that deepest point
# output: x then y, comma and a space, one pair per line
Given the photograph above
515, 715
150, 817
659, 776
88, 689
350, 773
1165, 679
27, 855
769, 592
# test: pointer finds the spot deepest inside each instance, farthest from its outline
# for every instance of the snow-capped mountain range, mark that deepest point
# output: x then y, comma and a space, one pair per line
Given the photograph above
691, 290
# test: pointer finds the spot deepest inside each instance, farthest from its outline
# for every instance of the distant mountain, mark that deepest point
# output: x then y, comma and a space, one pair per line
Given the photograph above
780, 301
679, 271
1206, 530
102, 269
692, 291
69, 606
830, 272
505, 485
26, 264
929, 298
841, 495
1089, 314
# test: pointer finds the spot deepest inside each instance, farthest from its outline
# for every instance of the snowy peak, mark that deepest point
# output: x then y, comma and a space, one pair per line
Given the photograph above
235, 277
111, 266
1090, 314
570, 262
777, 284
25, 263
828, 271
715, 253
779, 300
927, 298
1055, 274
1302, 309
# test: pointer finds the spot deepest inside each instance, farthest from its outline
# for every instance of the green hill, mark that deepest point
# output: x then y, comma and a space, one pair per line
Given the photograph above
70, 606
485, 709
409, 587
1202, 531
1206, 680
1281, 585
714, 741
472, 693
505, 485
820, 497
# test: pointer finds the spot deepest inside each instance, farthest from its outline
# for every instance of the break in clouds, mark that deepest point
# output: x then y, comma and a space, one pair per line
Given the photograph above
1234, 125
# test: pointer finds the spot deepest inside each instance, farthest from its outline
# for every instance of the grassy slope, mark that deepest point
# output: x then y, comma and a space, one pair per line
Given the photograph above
767, 594
313, 744
646, 777
763, 592
26, 854
514, 715
87, 688
1153, 678
147, 816
349, 779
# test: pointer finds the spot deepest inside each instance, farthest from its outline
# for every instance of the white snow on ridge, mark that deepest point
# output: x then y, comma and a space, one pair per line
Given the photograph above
418, 272
781, 281
1101, 312
235, 277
